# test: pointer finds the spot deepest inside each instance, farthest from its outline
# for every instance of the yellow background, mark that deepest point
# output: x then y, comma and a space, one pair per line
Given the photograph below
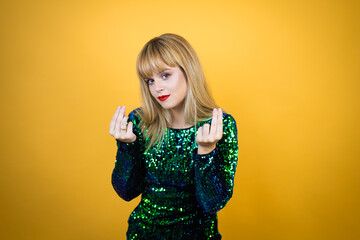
288, 71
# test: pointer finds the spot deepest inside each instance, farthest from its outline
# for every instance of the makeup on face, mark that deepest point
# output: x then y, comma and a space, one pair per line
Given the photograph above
168, 87
163, 98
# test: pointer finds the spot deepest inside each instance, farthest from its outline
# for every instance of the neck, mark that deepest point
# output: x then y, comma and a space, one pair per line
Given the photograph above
178, 118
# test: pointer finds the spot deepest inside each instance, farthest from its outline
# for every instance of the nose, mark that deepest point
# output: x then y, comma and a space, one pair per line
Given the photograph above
158, 86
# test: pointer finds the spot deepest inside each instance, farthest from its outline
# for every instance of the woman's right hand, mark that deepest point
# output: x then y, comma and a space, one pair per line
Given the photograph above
118, 127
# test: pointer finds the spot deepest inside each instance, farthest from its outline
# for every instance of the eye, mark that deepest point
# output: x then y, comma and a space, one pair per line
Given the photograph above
149, 81
164, 76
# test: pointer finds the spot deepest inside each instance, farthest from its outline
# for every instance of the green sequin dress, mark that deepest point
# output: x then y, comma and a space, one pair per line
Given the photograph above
181, 191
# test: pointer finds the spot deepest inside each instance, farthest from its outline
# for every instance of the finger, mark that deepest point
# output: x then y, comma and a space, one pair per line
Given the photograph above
119, 118
122, 111
206, 130
199, 134
113, 120
123, 124
129, 129
214, 123
219, 131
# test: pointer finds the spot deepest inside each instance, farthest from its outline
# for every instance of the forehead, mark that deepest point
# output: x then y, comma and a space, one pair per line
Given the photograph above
148, 65
155, 71
164, 68
154, 58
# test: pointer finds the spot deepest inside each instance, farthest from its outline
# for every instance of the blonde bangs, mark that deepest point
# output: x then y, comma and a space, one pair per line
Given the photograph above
152, 58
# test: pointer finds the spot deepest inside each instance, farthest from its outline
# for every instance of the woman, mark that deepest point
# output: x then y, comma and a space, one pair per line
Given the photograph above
179, 150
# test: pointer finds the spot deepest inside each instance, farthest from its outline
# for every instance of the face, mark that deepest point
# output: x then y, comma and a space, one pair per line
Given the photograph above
168, 87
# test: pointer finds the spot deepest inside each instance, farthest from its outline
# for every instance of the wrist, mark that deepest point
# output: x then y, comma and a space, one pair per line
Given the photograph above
205, 150
127, 140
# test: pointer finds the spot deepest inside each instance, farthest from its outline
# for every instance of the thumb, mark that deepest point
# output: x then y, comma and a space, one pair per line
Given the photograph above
199, 134
129, 129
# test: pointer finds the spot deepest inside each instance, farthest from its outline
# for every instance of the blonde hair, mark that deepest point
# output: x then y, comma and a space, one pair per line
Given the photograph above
174, 51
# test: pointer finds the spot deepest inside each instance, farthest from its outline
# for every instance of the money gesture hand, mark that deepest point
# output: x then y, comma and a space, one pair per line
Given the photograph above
208, 135
118, 127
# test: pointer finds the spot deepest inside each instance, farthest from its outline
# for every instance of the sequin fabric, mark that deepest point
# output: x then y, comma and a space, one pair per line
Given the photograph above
181, 191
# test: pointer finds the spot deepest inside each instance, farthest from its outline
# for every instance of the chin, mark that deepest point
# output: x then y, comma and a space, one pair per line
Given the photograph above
166, 106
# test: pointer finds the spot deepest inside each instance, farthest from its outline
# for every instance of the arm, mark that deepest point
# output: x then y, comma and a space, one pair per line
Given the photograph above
129, 171
215, 171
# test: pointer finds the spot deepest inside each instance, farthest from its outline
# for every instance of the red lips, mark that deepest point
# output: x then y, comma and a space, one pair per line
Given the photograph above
163, 98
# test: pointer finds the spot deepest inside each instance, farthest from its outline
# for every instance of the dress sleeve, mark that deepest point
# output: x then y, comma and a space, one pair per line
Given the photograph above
215, 171
128, 174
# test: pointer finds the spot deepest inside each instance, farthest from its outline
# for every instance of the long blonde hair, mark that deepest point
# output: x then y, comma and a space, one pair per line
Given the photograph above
174, 51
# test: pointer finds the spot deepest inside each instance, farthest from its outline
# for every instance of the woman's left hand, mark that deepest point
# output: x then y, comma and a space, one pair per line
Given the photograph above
208, 135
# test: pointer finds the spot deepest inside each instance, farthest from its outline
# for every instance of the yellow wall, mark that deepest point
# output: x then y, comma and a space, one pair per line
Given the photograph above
288, 71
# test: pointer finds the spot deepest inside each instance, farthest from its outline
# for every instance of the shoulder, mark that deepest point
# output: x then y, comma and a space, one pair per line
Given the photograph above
135, 115
229, 125
228, 118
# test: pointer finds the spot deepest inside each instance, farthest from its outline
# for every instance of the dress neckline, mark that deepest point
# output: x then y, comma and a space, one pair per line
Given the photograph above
179, 129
